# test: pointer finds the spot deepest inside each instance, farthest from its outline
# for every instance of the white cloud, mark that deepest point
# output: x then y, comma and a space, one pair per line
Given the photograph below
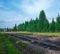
33, 7
9, 18
12, 17
30, 7
36, 7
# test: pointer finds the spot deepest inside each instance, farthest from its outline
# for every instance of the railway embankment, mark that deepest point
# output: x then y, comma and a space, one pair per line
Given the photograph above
47, 44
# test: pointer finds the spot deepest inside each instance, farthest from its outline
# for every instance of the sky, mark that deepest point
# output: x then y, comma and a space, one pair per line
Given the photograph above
18, 11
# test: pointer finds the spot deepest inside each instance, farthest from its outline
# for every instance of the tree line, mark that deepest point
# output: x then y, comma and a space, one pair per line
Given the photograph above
40, 24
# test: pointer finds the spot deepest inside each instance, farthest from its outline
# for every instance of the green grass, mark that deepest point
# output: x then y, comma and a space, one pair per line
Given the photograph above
37, 33
48, 34
10, 47
7, 45
19, 42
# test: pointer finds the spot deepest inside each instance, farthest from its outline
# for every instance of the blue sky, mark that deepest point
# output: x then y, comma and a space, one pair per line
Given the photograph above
18, 11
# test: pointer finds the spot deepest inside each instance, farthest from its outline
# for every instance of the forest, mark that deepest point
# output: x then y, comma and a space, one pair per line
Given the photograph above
40, 24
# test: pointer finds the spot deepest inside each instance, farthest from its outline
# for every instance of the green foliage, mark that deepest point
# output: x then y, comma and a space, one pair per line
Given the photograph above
15, 28
36, 25
41, 24
58, 23
6, 47
52, 26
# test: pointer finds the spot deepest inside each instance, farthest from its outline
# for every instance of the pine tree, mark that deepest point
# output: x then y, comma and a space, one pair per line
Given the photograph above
52, 26
31, 25
26, 25
36, 25
58, 23
15, 28
43, 22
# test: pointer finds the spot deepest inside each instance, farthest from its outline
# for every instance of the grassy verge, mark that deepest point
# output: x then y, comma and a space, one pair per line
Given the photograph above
36, 33
7, 45
19, 42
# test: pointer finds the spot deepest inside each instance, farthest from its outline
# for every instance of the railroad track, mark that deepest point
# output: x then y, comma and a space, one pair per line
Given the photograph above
43, 43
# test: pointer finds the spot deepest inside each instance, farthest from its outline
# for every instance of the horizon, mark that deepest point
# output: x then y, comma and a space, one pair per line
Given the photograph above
15, 11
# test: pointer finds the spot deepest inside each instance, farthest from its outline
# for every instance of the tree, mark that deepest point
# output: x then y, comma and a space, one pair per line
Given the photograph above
43, 22
36, 25
52, 26
58, 23
26, 25
31, 25
15, 28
